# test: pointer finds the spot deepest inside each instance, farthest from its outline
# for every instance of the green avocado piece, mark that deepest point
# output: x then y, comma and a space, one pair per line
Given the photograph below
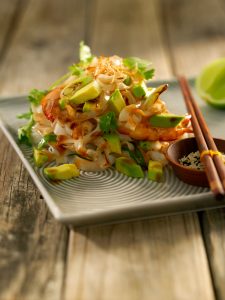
88, 92
63, 102
89, 106
139, 90
155, 170
78, 83
128, 167
153, 94
62, 172
40, 158
113, 142
165, 120
116, 102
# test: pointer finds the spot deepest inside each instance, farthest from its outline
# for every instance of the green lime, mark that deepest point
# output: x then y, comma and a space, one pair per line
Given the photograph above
210, 84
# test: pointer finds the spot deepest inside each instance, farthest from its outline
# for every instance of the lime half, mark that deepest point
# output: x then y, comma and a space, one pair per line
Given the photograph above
210, 84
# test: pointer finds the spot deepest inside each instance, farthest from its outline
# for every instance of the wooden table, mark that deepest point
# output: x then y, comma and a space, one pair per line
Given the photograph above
176, 257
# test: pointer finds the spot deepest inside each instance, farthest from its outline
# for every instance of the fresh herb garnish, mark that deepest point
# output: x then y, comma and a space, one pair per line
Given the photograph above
136, 155
76, 70
25, 115
108, 122
140, 65
127, 81
36, 96
24, 133
85, 53
149, 74
139, 90
51, 137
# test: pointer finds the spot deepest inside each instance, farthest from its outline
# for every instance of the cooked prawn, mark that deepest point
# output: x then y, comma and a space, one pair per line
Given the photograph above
50, 104
144, 131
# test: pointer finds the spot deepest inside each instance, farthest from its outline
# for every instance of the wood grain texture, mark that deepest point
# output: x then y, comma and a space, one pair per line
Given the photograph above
8, 12
46, 42
194, 31
32, 244
156, 259
213, 224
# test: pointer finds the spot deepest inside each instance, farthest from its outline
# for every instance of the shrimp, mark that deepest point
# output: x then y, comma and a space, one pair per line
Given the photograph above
50, 104
144, 131
52, 110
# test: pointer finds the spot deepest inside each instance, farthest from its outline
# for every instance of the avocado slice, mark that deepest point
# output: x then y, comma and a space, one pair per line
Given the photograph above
62, 172
89, 106
165, 120
128, 167
63, 102
139, 90
116, 102
88, 92
155, 170
40, 158
75, 85
153, 94
113, 142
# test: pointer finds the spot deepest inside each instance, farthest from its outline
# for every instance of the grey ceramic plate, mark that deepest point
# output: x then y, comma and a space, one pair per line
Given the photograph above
108, 196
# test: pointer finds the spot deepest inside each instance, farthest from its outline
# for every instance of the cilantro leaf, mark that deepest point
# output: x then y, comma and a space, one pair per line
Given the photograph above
76, 70
25, 115
24, 133
136, 63
85, 53
108, 122
136, 155
127, 81
51, 137
149, 74
36, 96
140, 65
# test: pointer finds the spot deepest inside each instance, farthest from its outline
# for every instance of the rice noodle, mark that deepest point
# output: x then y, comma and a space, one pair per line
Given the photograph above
59, 129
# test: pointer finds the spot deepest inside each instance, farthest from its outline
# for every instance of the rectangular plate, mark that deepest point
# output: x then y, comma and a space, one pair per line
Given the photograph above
109, 196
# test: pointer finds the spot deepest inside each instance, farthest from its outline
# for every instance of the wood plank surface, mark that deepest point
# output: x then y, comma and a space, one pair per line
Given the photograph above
213, 224
156, 259
9, 14
47, 42
194, 31
32, 244
137, 260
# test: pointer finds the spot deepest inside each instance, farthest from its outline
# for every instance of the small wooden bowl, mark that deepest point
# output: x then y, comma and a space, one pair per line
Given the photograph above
183, 147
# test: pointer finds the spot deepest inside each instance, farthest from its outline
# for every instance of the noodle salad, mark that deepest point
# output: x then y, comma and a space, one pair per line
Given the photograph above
101, 114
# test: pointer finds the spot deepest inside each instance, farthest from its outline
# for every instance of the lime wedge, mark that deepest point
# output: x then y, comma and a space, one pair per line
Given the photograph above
210, 84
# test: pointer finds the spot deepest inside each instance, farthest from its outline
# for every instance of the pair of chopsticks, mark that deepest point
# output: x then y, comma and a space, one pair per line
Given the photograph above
214, 167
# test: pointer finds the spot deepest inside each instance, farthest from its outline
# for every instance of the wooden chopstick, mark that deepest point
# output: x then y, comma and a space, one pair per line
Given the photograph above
214, 172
